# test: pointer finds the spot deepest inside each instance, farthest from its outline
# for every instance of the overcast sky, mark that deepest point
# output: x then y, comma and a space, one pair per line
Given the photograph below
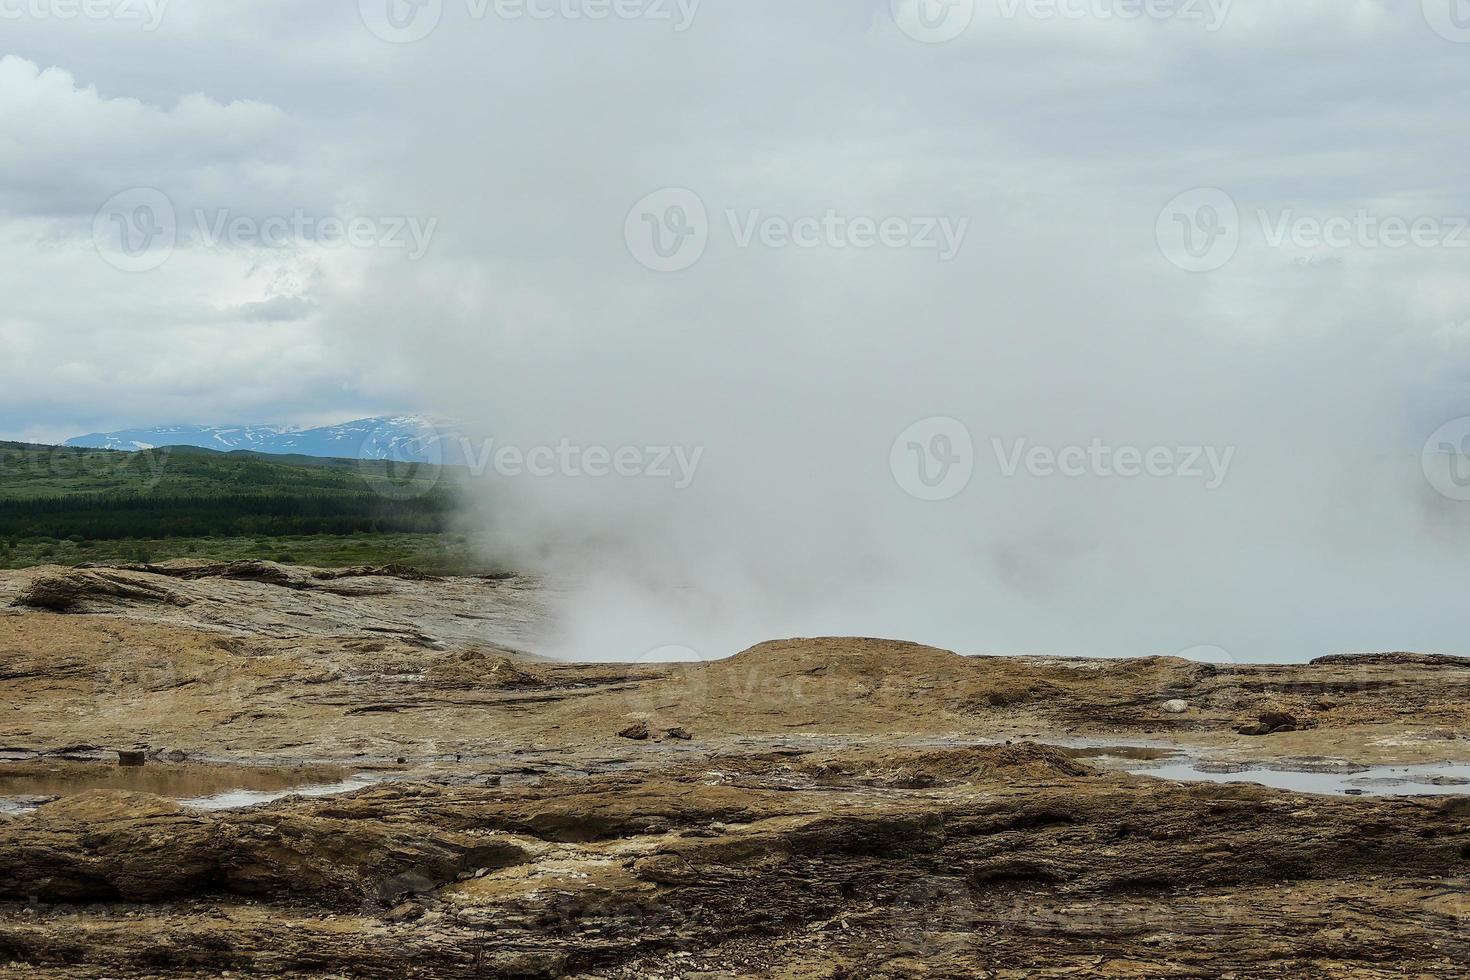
785, 234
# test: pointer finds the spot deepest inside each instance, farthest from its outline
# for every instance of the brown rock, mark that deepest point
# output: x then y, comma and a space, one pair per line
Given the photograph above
1270, 723
106, 845
65, 591
638, 731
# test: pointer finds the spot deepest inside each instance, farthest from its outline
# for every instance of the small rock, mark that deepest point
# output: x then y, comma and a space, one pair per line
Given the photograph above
1176, 706
1278, 720
405, 912
681, 734
1270, 723
638, 731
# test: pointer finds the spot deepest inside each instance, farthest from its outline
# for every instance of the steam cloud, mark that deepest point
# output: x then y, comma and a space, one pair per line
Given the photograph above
1055, 143
1059, 322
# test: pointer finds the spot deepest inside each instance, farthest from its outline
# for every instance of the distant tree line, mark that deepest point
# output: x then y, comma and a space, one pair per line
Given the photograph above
57, 471
113, 517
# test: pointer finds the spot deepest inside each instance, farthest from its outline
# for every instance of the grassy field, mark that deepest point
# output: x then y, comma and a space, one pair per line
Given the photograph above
29, 472
67, 506
437, 554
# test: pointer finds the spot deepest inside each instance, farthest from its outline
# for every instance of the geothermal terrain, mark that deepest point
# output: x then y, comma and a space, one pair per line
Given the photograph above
283, 771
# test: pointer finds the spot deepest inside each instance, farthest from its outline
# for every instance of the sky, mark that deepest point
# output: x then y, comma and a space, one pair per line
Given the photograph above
1082, 327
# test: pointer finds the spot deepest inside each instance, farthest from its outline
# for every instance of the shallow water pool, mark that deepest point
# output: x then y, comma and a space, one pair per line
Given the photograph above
1419, 780
24, 786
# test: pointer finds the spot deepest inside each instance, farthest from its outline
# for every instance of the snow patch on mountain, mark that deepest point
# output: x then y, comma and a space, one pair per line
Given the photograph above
405, 438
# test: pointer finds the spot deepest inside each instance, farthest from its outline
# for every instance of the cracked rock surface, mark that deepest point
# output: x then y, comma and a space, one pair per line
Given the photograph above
830, 808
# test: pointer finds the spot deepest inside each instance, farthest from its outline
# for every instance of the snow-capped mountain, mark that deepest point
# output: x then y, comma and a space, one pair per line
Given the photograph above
406, 438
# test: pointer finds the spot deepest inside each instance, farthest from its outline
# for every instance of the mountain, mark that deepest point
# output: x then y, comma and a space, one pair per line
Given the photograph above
404, 438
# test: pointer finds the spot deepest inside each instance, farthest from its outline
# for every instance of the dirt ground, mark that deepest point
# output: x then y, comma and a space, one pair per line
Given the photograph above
809, 808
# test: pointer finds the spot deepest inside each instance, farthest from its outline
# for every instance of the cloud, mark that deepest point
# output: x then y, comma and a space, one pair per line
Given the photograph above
196, 147
222, 329
1060, 321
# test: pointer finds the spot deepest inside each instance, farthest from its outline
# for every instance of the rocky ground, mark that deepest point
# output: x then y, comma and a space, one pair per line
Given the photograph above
821, 808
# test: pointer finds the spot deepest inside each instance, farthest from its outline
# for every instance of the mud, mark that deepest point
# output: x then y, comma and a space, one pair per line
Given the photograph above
840, 808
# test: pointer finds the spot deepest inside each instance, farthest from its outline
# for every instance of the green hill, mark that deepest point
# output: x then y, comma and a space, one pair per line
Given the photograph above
63, 504
29, 471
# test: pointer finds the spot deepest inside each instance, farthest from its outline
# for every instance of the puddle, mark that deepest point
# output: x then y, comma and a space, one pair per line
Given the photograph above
1422, 780
1142, 753
236, 798
27, 785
